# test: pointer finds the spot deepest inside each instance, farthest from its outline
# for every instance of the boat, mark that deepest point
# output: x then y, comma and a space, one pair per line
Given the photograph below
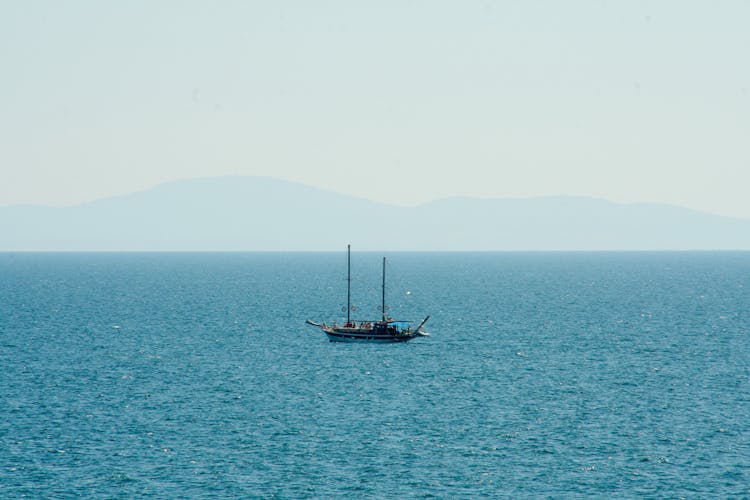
383, 330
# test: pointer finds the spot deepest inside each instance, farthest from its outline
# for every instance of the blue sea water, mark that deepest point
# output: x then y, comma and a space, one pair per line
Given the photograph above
547, 374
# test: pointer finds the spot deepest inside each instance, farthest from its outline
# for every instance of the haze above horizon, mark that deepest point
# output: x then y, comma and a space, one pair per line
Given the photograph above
397, 102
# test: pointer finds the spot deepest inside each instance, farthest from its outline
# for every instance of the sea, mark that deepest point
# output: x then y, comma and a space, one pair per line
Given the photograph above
546, 375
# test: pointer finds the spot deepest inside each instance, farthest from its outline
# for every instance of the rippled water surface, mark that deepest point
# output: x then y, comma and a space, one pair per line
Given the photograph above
560, 374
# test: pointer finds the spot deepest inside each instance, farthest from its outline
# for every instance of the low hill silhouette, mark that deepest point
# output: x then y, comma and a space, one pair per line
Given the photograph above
259, 214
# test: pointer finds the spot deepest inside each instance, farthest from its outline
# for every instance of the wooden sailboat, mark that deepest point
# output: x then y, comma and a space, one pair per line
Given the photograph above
384, 330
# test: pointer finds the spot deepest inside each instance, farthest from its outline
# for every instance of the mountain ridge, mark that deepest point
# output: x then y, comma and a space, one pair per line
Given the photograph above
240, 213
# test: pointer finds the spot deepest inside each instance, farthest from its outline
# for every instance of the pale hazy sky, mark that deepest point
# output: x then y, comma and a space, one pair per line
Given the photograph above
402, 101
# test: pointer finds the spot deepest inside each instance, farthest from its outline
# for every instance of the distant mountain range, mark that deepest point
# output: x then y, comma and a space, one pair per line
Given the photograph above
255, 213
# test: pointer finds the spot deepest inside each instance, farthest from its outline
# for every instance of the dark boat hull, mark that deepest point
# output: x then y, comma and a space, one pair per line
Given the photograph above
370, 336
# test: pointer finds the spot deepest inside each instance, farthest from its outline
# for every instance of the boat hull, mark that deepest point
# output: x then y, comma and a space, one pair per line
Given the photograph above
366, 336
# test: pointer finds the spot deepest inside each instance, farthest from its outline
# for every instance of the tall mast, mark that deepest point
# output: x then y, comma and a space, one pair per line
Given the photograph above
383, 289
348, 281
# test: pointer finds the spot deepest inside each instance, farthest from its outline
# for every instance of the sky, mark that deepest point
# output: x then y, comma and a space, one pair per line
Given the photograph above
395, 101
